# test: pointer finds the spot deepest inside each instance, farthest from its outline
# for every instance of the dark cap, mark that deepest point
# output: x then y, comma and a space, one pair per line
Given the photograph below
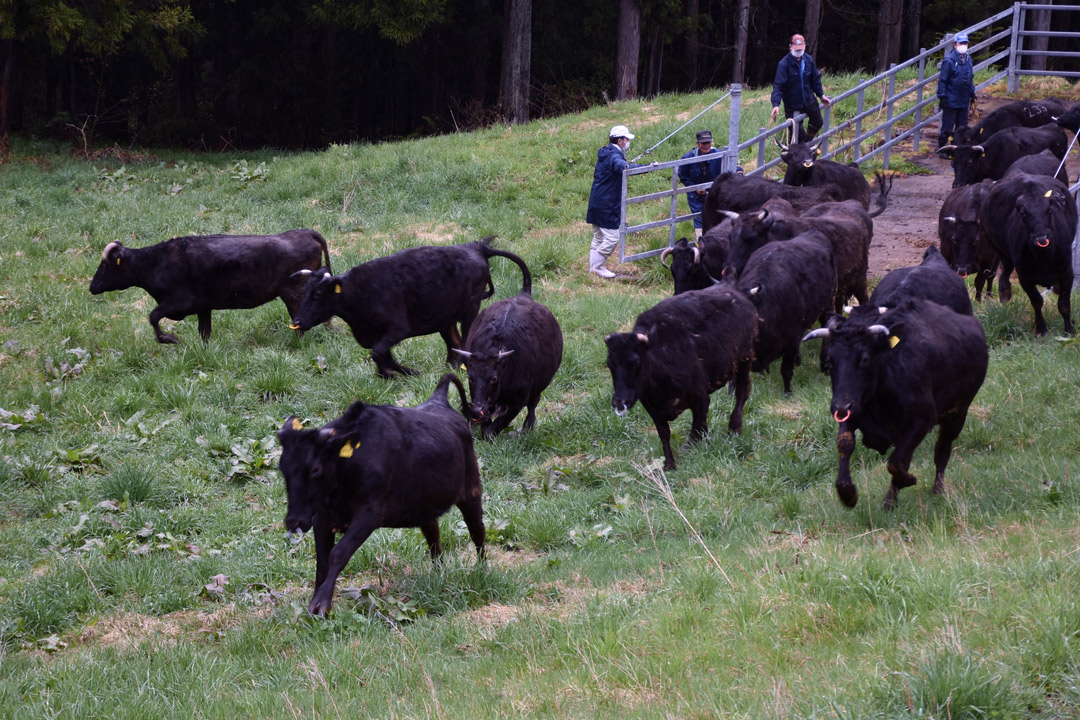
704, 136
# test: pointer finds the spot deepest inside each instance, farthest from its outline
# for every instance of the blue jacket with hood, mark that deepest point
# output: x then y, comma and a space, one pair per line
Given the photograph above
956, 85
605, 198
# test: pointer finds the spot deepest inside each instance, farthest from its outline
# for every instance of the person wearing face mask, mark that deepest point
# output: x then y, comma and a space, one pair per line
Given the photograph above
955, 89
798, 85
605, 198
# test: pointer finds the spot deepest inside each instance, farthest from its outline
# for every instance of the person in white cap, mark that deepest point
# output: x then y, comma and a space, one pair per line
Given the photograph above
605, 198
955, 89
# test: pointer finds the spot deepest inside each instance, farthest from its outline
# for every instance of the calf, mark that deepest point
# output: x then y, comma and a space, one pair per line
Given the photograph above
894, 377
1030, 220
742, 193
991, 158
792, 285
413, 292
933, 279
379, 466
962, 245
804, 168
198, 274
678, 353
512, 352
696, 266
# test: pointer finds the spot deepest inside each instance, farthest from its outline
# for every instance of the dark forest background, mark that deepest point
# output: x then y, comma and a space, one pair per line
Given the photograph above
219, 74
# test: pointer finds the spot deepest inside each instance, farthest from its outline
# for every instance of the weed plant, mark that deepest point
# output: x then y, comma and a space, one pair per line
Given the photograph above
143, 566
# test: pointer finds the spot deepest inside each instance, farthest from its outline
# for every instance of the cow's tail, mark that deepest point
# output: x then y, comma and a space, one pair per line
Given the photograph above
881, 200
325, 250
526, 276
441, 394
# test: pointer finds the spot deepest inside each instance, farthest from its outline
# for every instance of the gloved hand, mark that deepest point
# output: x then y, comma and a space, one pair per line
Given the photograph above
941, 104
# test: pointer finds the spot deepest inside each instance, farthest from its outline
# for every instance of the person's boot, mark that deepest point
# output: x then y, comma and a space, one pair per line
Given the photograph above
697, 233
596, 264
942, 141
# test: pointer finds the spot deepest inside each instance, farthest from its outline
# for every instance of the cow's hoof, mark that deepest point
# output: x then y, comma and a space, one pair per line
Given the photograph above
848, 494
168, 339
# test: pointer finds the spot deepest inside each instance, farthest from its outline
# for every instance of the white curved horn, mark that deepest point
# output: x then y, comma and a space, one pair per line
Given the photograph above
881, 329
819, 333
108, 249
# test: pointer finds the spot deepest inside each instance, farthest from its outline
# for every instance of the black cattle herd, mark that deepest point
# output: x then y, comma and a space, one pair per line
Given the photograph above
775, 258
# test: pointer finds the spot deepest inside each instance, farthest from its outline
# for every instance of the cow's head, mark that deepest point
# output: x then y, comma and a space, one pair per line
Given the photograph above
685, 265
320, 298
484, 368
959, 233
1071, 119
626, 362
1039, 208
969, 164
115, 271
749, 231
302, 465
800, 158
855, 345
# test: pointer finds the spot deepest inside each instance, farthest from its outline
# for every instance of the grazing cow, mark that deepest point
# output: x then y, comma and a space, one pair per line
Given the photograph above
894, 377
1019, 113
962, 246
742, 193
1043, 163
417, 291
1030, 220
512, 352
803, 169
678, 353
379, 466
696, 266
198, 274
792, 285
845, 226
932, 279
993, 156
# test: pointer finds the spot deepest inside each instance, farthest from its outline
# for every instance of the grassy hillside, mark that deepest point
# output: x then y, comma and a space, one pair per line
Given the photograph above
143, 567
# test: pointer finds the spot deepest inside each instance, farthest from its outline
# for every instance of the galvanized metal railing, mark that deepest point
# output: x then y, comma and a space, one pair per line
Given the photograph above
907, 112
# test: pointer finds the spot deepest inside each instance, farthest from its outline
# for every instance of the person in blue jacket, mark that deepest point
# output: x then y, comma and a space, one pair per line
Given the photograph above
702, 172
605, 198
955, 88
798, 85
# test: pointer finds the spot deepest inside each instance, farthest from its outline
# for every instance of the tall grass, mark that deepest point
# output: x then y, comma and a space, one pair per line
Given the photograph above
133, 475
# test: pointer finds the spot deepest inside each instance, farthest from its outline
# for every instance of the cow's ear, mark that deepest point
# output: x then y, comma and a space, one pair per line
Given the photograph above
817, 150
785, 156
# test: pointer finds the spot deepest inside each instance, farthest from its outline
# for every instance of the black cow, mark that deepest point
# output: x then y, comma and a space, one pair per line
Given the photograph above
1043, 163
992, 157
1030, 220
678, 353
742, 193
696, 266
1019, 113
933, 279
792, 285
962, 246
511, 353
417, 291
804, 168
1070, 119
379, 466
846, 228
198, 274
894, 377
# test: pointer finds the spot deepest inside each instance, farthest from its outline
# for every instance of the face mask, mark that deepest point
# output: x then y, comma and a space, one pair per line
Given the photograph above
626, 148
798, 53
962, 49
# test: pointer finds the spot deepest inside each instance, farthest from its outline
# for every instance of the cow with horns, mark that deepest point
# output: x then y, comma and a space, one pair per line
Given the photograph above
896, 373
805, 169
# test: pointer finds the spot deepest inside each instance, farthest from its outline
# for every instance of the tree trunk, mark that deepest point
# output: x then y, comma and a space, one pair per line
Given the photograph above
762, 63
1040, 22
628, 47
656, 62
692, 10
888, 50
517, 56
813, 25
912, 41
7, 52
742, 37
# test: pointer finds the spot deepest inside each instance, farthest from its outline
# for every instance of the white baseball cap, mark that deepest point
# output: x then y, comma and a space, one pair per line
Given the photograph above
621, 131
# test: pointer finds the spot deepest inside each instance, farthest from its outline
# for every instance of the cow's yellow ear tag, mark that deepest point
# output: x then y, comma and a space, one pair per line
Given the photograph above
463, 366
337, 288
894, 341
296, 424
346, 450
1049, 193
117, 261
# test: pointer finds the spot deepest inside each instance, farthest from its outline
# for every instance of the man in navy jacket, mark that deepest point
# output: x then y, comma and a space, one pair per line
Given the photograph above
955, 88
798, 84
698, 173
605, 198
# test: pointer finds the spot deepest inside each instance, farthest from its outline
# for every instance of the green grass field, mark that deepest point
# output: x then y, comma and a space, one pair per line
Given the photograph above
144, 571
